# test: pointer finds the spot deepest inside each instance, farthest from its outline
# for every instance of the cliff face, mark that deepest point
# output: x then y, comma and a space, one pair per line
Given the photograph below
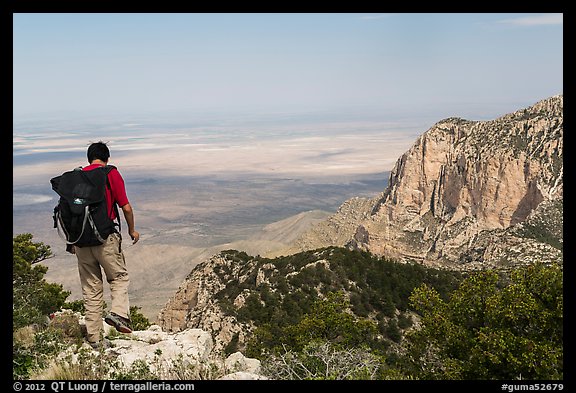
460, 182
194, 303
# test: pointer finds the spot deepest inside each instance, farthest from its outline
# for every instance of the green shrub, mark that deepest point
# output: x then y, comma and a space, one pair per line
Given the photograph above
139, 320
492, 328
33, 298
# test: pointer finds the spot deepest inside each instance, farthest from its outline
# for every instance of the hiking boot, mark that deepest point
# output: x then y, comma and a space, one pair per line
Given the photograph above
120, 323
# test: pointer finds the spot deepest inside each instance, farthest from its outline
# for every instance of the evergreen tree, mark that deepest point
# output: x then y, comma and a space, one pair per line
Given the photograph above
493, 328
330, 321
32, 297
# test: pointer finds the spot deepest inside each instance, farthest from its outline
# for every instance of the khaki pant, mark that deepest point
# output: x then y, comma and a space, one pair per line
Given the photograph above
91, 262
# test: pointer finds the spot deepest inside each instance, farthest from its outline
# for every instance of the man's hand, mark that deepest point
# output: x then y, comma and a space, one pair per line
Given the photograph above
71, 249
135, 236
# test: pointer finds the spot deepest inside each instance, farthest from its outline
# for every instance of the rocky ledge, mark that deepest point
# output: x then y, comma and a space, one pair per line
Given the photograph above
189, 354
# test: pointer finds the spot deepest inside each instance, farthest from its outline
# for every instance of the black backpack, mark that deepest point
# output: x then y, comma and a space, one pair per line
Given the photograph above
81, 215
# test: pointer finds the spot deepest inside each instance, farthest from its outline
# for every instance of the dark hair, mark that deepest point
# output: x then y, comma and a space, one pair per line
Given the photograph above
98, 151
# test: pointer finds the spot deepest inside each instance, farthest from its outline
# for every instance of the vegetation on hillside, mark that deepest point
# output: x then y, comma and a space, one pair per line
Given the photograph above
341, 314
374, 288
546, 225
492, 327
404, 320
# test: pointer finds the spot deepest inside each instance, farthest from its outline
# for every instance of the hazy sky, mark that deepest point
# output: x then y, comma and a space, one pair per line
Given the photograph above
161, 62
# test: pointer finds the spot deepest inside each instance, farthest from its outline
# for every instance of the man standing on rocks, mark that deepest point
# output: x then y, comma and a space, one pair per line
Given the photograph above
107, 257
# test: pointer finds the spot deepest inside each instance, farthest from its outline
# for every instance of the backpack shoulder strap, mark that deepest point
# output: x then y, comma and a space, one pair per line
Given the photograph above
107, 169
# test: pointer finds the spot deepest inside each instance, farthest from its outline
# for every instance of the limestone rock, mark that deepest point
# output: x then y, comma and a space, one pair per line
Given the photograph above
237, 361
167, 355
242, 375
194, 306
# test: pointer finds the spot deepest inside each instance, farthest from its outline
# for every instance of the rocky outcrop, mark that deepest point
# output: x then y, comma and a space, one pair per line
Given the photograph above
461, 183
194, 305
166, 355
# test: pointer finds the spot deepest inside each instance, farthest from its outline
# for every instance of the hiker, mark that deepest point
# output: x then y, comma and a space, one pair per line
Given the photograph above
108, 257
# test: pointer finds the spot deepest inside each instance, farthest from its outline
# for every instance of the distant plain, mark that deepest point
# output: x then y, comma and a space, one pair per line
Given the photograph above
205, 183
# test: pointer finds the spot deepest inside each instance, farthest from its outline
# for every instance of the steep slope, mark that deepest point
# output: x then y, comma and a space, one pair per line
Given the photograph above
461, 194
232, 293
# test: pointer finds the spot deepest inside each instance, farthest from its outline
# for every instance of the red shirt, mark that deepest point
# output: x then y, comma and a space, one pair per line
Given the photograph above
117, 191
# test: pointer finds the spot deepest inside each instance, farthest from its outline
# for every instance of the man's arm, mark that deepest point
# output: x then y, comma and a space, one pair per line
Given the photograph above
129, 216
